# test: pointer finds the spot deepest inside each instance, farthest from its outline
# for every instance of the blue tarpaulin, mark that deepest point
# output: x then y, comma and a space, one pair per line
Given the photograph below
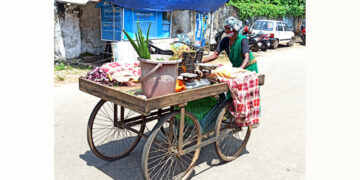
171, 5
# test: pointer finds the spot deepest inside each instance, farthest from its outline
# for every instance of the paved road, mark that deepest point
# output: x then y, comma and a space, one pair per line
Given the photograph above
276, 149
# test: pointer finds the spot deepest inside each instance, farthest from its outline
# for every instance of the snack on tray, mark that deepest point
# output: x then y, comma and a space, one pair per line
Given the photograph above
229, 72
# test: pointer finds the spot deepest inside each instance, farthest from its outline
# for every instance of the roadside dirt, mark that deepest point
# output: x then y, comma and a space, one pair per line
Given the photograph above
68, 76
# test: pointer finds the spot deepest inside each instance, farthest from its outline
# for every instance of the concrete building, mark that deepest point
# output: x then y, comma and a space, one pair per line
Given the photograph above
78, 29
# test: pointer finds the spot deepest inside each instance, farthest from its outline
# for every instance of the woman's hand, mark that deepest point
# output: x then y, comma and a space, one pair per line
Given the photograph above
205, 60
214, 56
246, 61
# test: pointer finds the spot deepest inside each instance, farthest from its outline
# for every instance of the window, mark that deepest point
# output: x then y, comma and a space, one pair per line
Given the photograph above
263, 25
287, 28
111, 23
115, 19
160, 23
279, 27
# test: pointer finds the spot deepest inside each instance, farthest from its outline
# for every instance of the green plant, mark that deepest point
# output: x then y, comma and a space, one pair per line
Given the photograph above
142, 46
86, 54
269, 8
60, 67
160, 59
60, 78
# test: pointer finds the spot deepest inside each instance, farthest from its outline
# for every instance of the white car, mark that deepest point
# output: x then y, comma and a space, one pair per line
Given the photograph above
278, 32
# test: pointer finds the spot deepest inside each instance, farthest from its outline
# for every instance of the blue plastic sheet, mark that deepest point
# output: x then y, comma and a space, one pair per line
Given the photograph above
171, 5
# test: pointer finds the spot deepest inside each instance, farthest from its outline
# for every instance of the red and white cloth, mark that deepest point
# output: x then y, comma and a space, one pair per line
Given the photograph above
245, 92
122, 72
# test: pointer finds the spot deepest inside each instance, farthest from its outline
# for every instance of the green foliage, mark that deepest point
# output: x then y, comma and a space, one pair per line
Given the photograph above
142, 45
60, 78
268, 8
60, 67
86, 54
63, 66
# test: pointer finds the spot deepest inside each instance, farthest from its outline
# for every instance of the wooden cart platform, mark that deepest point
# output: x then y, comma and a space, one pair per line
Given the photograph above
120, 95
114, 128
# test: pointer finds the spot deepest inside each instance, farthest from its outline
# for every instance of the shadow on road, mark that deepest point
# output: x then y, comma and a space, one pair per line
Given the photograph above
129, 167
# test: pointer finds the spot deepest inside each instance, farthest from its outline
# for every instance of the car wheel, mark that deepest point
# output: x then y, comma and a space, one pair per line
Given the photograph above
275, 44
291, 42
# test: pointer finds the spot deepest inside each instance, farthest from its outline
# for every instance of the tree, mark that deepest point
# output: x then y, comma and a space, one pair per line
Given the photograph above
269, 8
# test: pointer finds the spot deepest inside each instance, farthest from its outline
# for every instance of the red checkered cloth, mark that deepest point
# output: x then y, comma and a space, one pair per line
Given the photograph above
245, 92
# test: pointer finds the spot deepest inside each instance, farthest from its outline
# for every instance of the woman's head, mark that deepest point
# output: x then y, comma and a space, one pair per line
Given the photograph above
233, 24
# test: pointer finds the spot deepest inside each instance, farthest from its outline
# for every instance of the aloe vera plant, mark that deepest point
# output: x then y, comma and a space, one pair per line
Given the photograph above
141, 46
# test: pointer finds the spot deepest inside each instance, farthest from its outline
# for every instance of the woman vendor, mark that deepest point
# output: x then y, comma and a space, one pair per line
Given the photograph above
236, 47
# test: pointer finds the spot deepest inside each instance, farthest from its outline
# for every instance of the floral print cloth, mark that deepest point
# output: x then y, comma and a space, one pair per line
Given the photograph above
122, 72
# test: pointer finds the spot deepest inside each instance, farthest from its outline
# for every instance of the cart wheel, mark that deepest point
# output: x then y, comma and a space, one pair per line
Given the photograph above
160, 158
110, 140
233, 144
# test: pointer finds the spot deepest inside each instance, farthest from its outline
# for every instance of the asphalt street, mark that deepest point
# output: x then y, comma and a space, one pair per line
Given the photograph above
275, 151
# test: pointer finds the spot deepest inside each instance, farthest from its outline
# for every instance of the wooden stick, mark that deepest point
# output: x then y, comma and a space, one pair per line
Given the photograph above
181, 129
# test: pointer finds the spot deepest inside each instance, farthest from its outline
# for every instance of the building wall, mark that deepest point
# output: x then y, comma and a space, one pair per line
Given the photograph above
59, 49
181, 22
90, 29
77, 30
221, 14
70, 29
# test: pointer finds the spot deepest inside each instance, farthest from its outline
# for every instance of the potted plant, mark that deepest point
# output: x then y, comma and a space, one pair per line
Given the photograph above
158, 77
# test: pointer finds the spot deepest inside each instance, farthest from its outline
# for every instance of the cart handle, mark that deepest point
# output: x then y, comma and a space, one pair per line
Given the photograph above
152, 71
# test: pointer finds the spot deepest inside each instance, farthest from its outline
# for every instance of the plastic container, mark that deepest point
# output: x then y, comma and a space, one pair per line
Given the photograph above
189, 58
158, 77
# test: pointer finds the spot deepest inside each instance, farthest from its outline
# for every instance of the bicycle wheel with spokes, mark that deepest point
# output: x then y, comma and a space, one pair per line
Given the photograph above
108, 136
161, 158
235, 138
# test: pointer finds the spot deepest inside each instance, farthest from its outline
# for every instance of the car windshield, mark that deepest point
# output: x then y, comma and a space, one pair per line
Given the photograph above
263, 25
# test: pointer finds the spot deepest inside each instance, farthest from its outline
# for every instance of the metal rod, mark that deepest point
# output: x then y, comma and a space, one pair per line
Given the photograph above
115, 114
136, 131
209, 141
146, 136
159, 112
122, 111
165, 111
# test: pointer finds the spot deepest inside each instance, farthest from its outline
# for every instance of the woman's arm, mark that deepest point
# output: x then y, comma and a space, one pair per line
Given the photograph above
214, 56
246, 60
221, 46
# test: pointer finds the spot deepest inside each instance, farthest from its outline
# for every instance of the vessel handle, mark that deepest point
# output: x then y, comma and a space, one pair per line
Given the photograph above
152, 71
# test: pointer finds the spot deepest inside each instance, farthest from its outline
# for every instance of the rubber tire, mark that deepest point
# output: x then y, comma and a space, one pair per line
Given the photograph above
156, 129
217, 133
291, 42
255, 48
264, 47
275, 45
95, 150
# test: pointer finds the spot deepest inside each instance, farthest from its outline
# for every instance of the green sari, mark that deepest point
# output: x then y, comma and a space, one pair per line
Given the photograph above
236, 58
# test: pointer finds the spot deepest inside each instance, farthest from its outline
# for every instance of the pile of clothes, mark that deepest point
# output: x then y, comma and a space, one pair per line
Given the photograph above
245, 93
116, 74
